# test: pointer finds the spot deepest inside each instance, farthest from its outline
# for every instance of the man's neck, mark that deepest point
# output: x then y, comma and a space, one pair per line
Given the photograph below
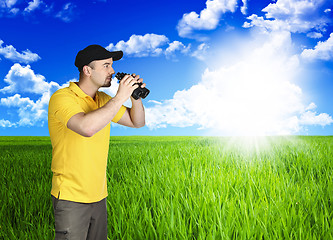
87, 88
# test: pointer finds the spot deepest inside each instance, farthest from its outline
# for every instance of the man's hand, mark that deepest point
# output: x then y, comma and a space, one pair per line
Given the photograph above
138, 80
126, 87
135, 116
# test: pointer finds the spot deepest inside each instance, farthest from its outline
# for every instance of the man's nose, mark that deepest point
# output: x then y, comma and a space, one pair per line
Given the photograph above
112, 71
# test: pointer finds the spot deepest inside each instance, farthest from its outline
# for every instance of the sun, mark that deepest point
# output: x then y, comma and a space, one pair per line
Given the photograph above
257, 95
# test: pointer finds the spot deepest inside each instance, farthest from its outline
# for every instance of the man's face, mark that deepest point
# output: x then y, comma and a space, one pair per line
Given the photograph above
101, 72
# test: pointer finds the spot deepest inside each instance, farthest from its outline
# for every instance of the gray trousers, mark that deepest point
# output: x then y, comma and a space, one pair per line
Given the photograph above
79, 221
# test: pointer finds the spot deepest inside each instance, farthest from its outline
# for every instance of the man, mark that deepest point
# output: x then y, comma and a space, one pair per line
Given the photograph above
79, 124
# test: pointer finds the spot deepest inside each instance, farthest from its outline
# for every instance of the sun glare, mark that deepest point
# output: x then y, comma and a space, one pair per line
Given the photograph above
249, 145
258, 95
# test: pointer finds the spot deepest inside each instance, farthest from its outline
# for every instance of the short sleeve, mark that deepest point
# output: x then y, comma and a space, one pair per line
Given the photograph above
120, 113
63, 106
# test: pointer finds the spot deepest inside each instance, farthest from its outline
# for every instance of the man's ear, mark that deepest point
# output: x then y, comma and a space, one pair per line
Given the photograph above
86, 70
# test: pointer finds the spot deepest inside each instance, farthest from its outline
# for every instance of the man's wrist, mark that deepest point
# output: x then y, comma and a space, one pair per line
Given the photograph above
117, 101
136, 101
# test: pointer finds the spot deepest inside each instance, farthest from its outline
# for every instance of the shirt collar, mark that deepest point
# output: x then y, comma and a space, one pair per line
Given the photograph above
78, 91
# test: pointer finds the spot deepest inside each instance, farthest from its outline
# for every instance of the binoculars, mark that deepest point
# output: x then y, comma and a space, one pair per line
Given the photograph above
138, 92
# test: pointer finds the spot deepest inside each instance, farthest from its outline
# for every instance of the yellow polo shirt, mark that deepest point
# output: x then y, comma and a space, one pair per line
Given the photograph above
78, 163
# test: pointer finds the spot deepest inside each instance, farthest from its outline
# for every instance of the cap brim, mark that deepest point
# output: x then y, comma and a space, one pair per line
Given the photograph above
116, 55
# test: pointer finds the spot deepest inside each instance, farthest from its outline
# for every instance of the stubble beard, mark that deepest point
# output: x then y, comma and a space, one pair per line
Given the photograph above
107, 82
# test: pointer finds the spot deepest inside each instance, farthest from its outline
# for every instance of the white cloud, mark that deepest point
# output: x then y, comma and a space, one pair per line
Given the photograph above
14, 11
322, 51
244, 7
311, 106
255, 95
7, 6
141, 46
155, 102
292, 15
8, 3
311, 118
10, 53
33, 5
30, 112
5, 123
314, 35
208, 18
176, 46
156, 45
201, 52
24, 80
67, 13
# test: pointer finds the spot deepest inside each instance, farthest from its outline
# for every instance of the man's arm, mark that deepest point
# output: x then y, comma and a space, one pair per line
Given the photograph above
88, 124
135, 116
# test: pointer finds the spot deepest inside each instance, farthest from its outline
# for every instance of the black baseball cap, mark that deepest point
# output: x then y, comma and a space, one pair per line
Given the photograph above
95, 52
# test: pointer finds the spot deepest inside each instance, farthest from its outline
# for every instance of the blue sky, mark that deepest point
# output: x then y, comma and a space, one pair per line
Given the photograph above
218, 67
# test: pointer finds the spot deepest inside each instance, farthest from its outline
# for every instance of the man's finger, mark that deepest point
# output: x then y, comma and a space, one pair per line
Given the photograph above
128, 80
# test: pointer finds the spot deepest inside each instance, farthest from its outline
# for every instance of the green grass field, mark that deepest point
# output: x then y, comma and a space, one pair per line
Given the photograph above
184, 188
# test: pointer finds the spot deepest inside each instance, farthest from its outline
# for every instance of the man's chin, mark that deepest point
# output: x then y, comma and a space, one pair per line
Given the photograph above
107, 84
